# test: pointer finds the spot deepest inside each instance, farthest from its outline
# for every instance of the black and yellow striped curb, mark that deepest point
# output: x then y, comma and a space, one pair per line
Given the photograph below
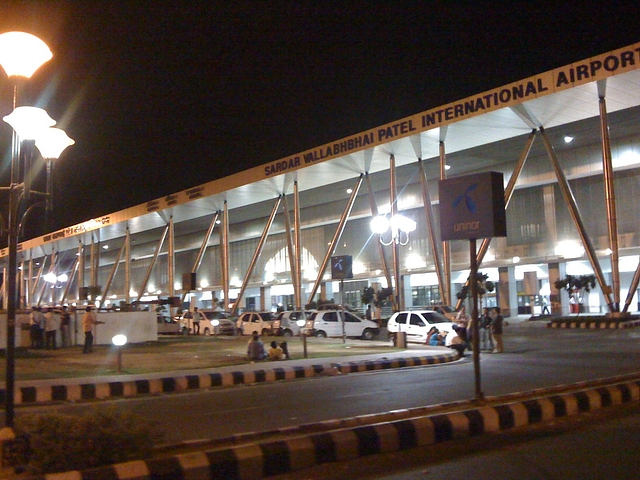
594, 324
269, 458
66, 392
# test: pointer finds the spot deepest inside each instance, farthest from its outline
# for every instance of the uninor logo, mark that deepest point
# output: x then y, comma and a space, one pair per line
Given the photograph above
471, 205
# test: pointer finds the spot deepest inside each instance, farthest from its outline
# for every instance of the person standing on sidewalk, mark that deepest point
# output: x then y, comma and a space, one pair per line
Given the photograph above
197, 316
65, 327
486, 342
37, 328
88, 321
51, 329
496, 330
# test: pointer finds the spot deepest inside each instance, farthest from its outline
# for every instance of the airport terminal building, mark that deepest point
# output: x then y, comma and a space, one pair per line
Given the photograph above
566, 141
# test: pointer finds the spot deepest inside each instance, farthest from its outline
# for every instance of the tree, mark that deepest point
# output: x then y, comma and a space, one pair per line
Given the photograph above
382, 295
575, 286
483, 286
368, 294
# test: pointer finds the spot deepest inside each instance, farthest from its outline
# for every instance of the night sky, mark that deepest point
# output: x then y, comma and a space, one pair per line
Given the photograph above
161, 96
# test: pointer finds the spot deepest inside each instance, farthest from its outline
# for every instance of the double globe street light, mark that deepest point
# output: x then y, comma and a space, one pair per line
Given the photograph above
21, 54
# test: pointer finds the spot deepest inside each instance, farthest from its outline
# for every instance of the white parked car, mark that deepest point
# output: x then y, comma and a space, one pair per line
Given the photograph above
211, 325
330, 323
251, 322
286, 324
168, 325
416, 324
446, 310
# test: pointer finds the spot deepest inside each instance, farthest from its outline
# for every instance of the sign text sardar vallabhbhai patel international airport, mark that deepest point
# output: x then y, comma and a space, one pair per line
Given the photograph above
593, 69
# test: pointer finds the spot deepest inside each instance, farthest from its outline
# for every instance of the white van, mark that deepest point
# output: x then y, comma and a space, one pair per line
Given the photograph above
330, 323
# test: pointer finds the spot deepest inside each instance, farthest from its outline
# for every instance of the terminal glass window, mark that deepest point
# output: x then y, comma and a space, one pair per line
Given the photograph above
425, 295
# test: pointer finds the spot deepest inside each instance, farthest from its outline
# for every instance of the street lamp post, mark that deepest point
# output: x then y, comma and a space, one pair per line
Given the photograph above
21, 54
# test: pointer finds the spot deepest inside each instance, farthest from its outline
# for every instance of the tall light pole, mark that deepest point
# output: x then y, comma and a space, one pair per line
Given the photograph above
21, 54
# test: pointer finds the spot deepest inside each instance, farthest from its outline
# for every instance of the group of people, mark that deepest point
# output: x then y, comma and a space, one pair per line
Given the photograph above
45, 323
256, 350
44, 326
489, 327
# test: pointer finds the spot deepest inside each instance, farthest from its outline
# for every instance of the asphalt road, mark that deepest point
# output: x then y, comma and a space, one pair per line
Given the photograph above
534, 357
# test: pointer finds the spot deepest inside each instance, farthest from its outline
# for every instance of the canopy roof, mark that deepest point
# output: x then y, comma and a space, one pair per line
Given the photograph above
564, 99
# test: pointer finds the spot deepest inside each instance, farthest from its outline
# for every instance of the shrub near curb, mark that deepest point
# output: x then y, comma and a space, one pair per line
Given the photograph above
61, 442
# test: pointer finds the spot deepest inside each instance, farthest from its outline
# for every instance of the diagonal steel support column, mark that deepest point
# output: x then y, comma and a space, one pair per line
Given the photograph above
74, 270
632, 289
428, 210
127, 266
398, 293
256, 254
153, 262
298, 245
224, 255
112, 274
81, 254
336, 237
374, 212
446, 247
38, 277
203, 248
54, 259
171, 258
610, 198
508, 193
293, 261
577, 219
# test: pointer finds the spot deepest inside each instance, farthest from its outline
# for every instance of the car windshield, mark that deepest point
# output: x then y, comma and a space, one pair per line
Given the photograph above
434, 317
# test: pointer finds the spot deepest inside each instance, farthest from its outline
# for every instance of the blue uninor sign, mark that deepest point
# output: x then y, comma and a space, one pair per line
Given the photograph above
472, 206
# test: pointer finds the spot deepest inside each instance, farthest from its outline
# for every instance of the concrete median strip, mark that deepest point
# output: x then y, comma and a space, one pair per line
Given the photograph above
274, 457
70, 391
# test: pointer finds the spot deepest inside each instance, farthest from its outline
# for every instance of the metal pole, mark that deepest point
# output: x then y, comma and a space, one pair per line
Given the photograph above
374, 213
446, 248
577, 219
127, 267
293, 267
336, 237
114, 269
426, 200
610, 201
171, 258
203, 246
11, 304
153, 262
257, 253
224, 254
474, 317
398, 300
298, 246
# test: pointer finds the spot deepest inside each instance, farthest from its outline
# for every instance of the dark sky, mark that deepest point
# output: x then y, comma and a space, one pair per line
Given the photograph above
161, 96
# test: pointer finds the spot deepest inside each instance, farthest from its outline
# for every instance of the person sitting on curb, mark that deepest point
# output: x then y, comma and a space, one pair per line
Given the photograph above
255, 349
275, 353
457, 342
434, 337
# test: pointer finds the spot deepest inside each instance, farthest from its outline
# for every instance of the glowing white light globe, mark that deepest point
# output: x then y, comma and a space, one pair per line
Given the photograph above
119, 340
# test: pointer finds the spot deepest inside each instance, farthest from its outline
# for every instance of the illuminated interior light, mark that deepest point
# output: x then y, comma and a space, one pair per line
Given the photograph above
516, 259
568, 139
